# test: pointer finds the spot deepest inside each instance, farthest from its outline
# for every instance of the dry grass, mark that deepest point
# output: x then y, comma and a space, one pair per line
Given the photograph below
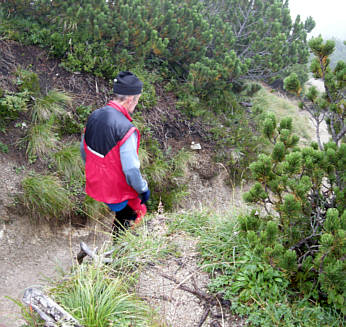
282, 107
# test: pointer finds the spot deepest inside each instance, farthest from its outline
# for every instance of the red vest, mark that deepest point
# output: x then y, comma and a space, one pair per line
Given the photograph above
105, 180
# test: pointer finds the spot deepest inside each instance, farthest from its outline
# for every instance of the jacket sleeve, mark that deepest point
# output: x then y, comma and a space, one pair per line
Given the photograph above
130, 164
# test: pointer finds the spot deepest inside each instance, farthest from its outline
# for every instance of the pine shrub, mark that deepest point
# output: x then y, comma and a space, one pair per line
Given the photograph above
303, 232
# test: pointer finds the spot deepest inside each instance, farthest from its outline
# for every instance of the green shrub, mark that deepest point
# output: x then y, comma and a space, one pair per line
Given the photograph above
28, 81
240, 273
45, 197
11, 104
303, 234
165, 175
74, 123
3, 147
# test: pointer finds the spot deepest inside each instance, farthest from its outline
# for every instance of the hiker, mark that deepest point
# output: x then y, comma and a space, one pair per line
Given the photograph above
109, 148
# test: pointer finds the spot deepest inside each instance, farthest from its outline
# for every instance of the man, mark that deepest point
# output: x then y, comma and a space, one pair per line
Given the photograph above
110, 150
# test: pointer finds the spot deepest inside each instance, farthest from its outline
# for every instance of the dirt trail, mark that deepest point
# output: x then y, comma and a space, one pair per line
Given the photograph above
177, 287
30, 254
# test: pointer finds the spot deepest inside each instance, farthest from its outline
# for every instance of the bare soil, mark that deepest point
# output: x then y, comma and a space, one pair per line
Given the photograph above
177, 287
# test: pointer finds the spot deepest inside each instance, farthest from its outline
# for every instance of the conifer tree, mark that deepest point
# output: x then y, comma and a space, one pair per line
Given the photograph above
264, 34
330, 105
303, 233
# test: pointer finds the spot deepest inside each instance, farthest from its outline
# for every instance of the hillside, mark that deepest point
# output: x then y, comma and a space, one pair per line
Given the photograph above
23, 262
167, 244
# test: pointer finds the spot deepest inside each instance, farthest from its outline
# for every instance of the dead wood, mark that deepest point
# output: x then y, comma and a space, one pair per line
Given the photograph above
85, 251
52, 313
210, 301
204, 317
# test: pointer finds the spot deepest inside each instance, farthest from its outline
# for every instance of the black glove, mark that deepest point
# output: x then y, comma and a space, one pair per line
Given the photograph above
145, 196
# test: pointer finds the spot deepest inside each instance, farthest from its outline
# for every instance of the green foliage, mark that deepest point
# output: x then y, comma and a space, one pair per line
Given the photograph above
211, 44
301, 185
339, 54
329, 106
11, 104
74, 123
254, 286
251, 89
94, 209
45, 197
164, 171
134, 251
95, 297
69, 163
3, 148
28, 81
50, 105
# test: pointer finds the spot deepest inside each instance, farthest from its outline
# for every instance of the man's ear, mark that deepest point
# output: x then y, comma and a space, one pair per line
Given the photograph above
127, 101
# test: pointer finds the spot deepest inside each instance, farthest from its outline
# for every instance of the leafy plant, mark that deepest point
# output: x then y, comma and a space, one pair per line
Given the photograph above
3, 147
11, 104
28, 81
45, 197
239, 271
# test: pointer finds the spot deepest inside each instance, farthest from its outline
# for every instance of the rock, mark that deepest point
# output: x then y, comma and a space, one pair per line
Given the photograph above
195, 146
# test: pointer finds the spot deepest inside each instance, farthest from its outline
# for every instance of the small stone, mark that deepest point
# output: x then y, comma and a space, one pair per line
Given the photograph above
196, 146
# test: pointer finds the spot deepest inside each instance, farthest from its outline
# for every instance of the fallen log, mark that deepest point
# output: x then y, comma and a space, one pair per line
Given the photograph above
85, 251
49, 311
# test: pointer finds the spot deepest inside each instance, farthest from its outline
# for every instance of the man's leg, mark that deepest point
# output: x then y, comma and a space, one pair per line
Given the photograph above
123, 219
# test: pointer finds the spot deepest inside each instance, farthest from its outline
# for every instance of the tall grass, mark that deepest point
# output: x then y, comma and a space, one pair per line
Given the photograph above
135, 250
51, 105
69, 163
42, 140
45, 197
94, 209
96, 297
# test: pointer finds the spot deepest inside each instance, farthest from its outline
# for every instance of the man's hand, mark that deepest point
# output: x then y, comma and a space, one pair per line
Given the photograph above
145, 196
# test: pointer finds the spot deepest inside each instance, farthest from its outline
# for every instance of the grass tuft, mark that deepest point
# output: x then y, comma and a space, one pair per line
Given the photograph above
69, 163
135, 250
51, 105
42, 140
98, 298
94, 209
45, 197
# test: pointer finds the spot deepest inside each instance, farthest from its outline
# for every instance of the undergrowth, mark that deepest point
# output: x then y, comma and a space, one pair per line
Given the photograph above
255, 289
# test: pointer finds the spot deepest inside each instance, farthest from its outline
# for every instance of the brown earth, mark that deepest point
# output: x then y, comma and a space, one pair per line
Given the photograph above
30, 253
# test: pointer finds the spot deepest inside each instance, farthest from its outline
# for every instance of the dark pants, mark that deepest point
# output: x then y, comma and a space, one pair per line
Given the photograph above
123, 219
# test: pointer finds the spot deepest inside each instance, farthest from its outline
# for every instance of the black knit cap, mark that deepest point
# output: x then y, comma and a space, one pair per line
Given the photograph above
127, 83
